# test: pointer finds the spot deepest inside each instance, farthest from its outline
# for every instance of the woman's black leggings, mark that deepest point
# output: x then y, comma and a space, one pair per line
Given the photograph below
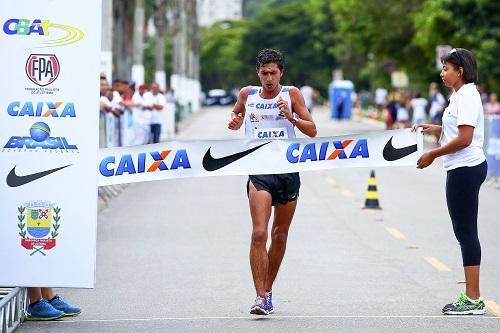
462, 196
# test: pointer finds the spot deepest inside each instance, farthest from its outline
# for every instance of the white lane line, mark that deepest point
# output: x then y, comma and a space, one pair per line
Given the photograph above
437, 264
395, 233
493, 307
262, 317
331, 181
347, 193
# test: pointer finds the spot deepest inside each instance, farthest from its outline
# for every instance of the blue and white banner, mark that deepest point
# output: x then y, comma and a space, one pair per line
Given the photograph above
493, 147
48, 142
180, 159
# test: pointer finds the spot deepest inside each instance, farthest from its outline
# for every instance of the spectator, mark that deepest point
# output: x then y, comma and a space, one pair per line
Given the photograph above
418, 106
380, 98
437, 103
308, 94
45, 305
403, 115
142, 116
492, 107
156, 100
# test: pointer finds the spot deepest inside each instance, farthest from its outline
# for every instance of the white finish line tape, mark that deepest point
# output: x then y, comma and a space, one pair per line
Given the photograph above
180, 159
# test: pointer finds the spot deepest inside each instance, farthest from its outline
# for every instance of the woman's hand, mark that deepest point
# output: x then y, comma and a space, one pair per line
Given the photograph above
425, 160
427, 128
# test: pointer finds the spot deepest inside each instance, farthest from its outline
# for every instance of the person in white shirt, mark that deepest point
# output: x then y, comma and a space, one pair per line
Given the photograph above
276, 108
156, 100
418, 105
308, 93
461, 139
380, 98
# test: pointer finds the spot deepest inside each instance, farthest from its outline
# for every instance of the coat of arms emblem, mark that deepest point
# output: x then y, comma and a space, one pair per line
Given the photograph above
38, 226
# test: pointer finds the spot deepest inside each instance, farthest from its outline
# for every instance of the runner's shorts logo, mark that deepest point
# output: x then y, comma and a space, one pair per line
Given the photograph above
42, 69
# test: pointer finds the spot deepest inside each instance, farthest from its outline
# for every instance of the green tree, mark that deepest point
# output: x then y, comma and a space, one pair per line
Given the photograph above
221, 66
471, 24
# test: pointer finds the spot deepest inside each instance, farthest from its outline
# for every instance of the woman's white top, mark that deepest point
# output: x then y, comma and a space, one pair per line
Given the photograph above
465, 109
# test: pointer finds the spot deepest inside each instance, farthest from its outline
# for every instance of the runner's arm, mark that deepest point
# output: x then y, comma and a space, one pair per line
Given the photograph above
238, 113
304, 123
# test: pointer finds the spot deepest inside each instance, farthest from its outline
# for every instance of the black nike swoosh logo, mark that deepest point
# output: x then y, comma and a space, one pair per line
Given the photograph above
392, 154
212, 164
14, 180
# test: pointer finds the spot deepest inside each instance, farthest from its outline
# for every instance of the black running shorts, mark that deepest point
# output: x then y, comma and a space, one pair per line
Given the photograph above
283, 188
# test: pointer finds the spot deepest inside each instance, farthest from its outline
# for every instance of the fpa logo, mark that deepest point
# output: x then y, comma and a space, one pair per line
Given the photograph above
144, 162
38, 223
42, 69
39, 138
41, 109
326, 151
64, 34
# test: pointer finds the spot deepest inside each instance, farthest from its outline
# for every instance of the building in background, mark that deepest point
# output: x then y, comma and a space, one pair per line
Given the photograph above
210, 11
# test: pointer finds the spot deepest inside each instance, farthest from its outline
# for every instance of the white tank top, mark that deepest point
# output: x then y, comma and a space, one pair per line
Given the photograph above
263, 119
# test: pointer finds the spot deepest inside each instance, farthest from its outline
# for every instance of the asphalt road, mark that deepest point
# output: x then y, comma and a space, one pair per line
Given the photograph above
172, 256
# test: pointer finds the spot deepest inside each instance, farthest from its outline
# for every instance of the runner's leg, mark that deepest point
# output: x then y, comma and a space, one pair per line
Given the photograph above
260, 210
283, 215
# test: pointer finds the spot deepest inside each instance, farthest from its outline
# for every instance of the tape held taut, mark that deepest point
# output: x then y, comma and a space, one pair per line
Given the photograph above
181, 159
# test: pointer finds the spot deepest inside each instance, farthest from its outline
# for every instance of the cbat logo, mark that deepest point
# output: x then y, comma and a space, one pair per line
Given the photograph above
144, 162
266, 106
41, 109
64, 34
326, 151
38, 223
40, 138
42, 69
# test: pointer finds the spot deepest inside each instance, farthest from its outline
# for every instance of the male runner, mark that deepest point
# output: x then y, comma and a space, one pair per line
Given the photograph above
277, 107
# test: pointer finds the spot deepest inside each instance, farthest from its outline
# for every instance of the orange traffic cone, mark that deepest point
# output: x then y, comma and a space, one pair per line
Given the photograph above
371, 201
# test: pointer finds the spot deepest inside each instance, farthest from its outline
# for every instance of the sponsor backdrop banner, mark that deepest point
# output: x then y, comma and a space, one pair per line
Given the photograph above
48, 142
178, 159
493, 147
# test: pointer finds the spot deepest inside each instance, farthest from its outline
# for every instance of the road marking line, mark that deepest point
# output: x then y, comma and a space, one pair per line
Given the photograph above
395, 233
260, 317
437, 264
348, 193
331, 181
493, 307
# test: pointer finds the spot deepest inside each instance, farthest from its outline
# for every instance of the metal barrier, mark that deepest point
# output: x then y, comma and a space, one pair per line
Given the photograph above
13, 302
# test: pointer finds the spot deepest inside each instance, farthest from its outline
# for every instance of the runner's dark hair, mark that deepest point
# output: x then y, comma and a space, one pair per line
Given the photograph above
267, 56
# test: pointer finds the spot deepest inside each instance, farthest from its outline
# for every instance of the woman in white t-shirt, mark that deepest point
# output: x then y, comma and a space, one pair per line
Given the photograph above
461, 140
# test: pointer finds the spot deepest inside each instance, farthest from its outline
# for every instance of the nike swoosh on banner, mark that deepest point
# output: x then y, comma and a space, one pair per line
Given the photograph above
211, 164
14, 180
392, 154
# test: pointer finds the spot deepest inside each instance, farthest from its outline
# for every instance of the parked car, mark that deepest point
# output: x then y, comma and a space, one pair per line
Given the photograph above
218, 97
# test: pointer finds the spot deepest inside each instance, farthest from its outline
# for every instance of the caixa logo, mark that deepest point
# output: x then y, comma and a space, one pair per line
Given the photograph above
42, 69
266, 106
41, 109
328, 150
39, 138
63, 34
144, 162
